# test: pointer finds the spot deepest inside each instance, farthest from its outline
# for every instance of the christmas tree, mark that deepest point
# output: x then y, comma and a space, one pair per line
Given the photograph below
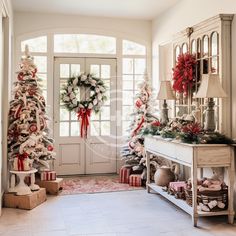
29, 144
133, 153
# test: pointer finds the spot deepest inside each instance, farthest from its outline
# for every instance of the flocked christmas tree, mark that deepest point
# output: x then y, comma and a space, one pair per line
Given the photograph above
29, 144
133, 152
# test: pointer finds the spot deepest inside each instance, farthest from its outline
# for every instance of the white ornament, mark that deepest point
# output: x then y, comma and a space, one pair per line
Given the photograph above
75, 81
72, 96
90, 106
95, 101
69, 89
74, 101
83, 77
99, 96
66, 99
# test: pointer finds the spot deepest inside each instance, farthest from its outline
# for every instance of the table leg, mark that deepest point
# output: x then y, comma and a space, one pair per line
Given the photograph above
231, 176
148, 171
194, 192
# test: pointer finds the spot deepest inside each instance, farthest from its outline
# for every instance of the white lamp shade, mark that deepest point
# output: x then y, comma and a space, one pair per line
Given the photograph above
210, 87
165, 91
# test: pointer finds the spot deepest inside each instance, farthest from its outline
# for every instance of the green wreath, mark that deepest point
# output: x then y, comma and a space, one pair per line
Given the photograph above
69, 95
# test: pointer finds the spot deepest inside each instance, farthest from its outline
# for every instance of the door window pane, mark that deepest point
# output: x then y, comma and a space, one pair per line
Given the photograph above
73, 116
75, 69
64, 70
105, 128
75, 129
64, 114
64, 129
94, 116
95, 127
95, 70
105, 71
38, 44
105, 113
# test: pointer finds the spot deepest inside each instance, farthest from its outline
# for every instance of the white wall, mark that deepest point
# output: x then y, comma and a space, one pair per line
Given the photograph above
187, 13
6, 72
30, 22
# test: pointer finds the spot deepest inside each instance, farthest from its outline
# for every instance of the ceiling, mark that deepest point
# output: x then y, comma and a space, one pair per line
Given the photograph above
132, 9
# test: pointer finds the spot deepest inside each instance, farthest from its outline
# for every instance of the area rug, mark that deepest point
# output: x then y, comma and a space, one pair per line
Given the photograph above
94, 184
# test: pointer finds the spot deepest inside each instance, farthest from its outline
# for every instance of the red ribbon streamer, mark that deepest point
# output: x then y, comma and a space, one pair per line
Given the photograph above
84, 115
139, 126
20, 161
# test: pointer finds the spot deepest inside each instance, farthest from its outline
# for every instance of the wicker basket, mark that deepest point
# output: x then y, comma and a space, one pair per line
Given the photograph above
208, 196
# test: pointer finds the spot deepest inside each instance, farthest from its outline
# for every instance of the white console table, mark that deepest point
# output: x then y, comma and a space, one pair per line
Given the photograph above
194, 156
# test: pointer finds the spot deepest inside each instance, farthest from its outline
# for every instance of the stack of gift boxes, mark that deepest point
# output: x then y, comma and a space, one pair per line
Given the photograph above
47, 178
127, 176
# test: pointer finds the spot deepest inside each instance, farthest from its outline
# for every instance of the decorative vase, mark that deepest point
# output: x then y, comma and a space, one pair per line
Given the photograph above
164, 175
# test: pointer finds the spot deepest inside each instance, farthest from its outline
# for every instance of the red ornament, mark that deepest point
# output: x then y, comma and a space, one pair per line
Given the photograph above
156, 123
20, 76
138, 103
33, 128
50, 148
31, 91
184, 73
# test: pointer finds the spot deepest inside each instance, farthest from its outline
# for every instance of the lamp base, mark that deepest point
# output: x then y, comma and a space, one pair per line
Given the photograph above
164, 113
209, 124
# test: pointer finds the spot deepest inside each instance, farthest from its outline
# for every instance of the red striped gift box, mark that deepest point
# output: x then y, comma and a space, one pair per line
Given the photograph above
135, 180
48, 175
124, 175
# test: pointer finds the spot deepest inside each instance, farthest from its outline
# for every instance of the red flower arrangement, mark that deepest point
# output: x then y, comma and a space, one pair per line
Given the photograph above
184, 73
192, 128
190, 133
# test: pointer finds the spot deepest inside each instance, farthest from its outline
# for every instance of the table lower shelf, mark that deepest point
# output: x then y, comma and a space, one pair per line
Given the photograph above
182, 204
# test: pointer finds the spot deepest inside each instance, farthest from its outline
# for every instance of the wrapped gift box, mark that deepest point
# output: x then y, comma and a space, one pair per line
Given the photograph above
135, 180
124, 175
48, 175
53, 187
177, 189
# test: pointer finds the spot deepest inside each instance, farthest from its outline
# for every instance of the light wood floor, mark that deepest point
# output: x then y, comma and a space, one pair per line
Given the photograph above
130, 213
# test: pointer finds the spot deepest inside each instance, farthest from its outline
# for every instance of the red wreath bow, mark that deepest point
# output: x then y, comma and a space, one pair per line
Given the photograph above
84, 115
20, 161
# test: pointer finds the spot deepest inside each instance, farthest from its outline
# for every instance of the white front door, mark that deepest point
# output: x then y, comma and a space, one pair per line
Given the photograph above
97, 153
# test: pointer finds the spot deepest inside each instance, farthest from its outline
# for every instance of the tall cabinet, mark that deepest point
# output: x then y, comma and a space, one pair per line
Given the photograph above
210, 41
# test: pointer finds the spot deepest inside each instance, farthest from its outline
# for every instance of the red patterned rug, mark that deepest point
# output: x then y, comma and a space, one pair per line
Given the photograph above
94, 184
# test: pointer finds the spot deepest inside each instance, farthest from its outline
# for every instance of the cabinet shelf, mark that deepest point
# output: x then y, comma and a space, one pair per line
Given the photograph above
182, 204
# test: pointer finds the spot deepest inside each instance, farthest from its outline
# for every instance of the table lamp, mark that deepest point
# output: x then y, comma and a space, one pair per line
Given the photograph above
165, 93
210, 88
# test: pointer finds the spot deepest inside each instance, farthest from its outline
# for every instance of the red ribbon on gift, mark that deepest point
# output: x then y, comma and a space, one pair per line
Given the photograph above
20, 161
84, 114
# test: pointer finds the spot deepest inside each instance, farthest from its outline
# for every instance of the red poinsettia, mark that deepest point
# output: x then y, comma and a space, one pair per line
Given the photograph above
184, 73
192, 128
